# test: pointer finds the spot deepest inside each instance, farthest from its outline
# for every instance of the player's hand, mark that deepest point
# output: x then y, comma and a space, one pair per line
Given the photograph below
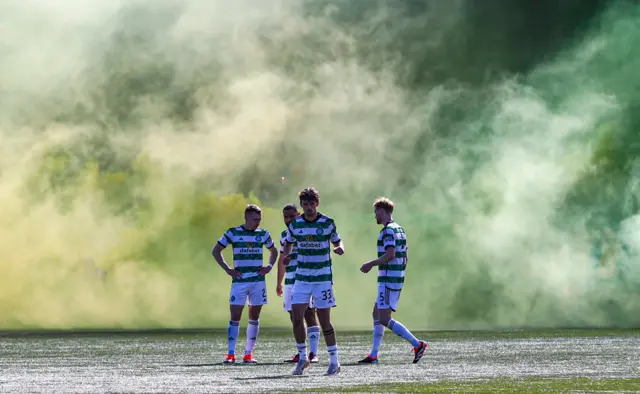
235, 274
286, 259
265, 270
279, 289
338, 250
366, 267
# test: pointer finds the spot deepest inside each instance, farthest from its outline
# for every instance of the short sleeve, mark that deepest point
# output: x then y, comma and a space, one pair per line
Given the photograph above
226, 239
289, 237
388, 238
268, 241
335, 237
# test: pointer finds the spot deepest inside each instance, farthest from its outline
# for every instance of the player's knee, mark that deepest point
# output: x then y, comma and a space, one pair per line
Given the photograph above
324, 317
310, 317
325, 323
297, 316
384, 317
236, 315
254, 312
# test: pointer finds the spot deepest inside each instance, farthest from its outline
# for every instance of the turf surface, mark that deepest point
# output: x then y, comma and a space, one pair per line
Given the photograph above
513, 385
190, 361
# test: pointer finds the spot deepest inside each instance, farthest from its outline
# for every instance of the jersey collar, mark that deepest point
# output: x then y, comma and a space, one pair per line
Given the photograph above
318, 216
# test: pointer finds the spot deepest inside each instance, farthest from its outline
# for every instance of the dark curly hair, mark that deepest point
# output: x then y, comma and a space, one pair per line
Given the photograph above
309, 194
290, 207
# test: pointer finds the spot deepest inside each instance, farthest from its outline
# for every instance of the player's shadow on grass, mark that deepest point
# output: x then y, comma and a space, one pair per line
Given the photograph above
354, 364
273, 377
221, 364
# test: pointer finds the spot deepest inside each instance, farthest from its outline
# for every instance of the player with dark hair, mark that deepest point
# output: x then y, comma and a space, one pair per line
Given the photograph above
313, 233
288, 273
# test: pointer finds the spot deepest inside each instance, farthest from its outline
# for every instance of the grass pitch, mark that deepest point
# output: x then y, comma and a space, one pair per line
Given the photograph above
190, 361
504, 385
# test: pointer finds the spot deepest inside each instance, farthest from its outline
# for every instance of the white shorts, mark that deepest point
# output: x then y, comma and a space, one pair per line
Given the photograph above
286, 302
387, 298
320, 293
256, 292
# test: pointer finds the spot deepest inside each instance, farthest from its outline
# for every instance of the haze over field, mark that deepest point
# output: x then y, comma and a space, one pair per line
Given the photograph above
134, 133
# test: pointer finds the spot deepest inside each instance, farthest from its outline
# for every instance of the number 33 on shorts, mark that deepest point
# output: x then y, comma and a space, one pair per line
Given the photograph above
323, 296
326, 295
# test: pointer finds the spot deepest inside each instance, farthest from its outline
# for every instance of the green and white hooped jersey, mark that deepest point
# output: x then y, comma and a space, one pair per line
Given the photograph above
290, 270
314, 247
247, 251
392, 273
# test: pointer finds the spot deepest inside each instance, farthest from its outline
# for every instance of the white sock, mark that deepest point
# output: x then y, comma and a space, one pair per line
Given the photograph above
302, 350
378, 334
232, 335
402, 331
313, 333
333, 354
252, 335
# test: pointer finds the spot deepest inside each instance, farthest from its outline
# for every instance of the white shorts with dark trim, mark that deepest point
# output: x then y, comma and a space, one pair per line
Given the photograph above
320, 293
387, 298
287, 297
254, 292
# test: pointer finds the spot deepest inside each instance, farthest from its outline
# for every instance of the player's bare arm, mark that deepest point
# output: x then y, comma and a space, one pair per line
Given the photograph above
388, 255
217, 255
281, 272
338, 248
286, 252
273, 255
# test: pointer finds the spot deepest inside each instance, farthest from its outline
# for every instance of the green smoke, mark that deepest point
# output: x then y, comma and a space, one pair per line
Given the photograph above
134, 134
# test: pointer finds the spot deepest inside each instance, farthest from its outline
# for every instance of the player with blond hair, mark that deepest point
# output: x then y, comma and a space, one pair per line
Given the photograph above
248, 276
392, 264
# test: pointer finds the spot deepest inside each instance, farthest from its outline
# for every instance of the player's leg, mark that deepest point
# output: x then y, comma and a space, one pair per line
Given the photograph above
324, 301
378, 334
237, 300
253, 328
378, 329
391, 298
286, 305
257, 298
300, 298
313, 332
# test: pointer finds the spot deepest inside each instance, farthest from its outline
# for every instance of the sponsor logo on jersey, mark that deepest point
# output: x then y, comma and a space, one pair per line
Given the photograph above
310, 245
250, 250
